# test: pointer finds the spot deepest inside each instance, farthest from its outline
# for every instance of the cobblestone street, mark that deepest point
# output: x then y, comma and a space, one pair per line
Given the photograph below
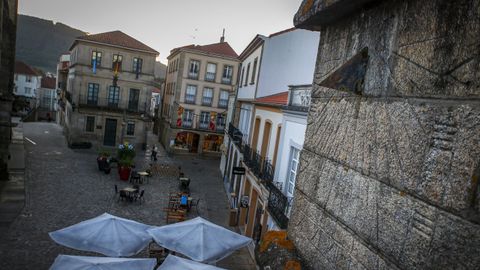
64, 187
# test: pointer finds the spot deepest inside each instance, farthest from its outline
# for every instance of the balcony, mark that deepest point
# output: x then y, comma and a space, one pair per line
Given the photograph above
278, 206
226, 80
235, 134
223, 103
193, 75
210, 77
195, 123
190, 99
207, 101
260, 166
113, 104
203, 125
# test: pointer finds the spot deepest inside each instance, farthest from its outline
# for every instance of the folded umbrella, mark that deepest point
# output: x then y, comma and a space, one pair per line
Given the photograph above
65, 262
106, 234
175, 263
199, 239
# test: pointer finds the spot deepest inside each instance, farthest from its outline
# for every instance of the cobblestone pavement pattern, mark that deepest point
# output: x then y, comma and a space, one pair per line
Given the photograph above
64, 187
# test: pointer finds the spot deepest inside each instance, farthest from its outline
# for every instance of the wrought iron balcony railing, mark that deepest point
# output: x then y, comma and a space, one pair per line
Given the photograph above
223, 103
193, 75
207, 101
210, 77
260, 166
113, 104
226, 80
235, 134
278, 205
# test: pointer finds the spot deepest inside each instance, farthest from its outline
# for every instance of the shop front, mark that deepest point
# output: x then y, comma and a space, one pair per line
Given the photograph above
212, 143
187, 141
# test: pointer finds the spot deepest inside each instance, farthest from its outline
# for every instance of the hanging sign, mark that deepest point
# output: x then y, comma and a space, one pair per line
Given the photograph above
238, 170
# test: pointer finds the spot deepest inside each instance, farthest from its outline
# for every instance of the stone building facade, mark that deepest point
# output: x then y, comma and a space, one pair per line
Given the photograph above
199, 81
8, 31
388, 177
108, 90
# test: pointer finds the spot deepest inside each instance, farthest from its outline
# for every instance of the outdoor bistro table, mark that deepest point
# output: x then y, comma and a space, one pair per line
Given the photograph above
130, 192
142, 176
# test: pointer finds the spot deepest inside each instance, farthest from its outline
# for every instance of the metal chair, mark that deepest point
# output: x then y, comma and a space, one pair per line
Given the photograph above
140, 197
195, 204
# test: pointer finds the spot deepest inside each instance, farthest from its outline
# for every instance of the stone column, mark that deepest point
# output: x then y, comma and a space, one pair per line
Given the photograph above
8, 29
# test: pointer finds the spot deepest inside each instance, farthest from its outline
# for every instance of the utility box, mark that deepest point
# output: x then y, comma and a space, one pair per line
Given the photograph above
232, 220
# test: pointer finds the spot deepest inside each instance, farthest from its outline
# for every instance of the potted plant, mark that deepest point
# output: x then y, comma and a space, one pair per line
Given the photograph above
125, 156
102, 160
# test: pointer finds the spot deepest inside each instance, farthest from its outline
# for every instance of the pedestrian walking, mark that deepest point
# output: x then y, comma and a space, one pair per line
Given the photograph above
153, 157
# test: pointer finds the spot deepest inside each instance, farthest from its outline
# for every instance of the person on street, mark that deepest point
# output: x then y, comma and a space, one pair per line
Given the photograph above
154, 153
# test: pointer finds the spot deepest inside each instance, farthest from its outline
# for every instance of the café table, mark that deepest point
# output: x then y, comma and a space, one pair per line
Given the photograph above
130, 191
142, 176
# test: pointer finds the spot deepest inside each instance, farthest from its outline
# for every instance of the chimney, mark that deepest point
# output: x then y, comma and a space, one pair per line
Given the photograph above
222, 39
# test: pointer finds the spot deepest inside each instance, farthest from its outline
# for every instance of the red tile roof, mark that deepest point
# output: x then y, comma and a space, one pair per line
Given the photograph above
276, 99
222, 48
22, 68
48, 82
118, 38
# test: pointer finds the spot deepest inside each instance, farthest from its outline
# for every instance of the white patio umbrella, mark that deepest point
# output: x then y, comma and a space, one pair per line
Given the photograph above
199, 239
106, 234
175, 263
64, 262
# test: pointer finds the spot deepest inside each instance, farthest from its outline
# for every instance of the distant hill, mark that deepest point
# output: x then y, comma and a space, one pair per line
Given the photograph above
40, 42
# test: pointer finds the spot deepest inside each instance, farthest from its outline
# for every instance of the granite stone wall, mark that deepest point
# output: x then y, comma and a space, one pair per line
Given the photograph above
388, 177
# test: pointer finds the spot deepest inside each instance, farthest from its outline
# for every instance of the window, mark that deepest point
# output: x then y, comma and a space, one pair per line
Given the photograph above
255, 62
241, 77
190, 94
187, 118
227, 74
16, 77
133, 100
15, 90
130, 129
292, 170
248, 73
207, 96
113, 96
92, 93
28, 78
28, 90
137, 65
96, 59
223, 100
117, 63
89, 127
204, 120
220, 122
211, 72
193, 69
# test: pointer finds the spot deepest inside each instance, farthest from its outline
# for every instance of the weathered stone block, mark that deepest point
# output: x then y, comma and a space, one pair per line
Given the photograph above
388, 177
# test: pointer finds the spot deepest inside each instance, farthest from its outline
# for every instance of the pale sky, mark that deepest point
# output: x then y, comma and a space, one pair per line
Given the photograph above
166, 24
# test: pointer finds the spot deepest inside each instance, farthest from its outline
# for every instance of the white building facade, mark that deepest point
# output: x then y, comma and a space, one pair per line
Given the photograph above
27, 81
267, 133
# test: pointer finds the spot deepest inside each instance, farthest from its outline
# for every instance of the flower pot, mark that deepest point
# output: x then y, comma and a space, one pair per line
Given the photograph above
102, 163
124, 173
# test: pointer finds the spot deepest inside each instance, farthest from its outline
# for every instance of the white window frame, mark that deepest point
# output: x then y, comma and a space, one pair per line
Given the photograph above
293, 162
207, 93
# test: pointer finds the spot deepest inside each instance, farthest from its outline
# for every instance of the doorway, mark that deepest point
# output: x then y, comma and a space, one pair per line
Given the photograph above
110, 136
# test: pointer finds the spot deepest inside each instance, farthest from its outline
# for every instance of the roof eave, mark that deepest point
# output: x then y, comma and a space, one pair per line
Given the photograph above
112, 45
